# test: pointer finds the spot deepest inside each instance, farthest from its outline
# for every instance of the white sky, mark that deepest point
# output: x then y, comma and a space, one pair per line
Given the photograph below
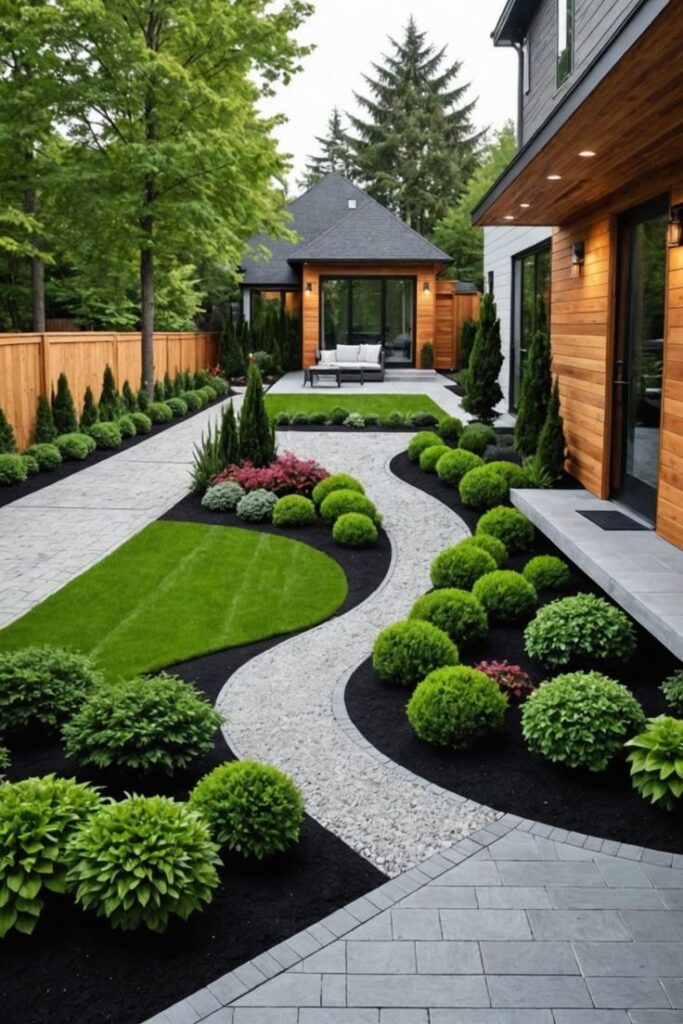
350, 34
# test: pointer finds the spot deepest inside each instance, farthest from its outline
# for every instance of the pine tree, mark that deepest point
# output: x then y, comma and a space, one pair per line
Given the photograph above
169, 389
335, 155
231, 357
256, 434
552, 446
468, 333
90, 414
229, 439
110, 404
44, 431
483, 391
128, 398
536, 387
8, 442
63, 408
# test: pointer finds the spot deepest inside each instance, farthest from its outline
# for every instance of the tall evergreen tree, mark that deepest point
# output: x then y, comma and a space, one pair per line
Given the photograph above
335, 154
128, 398
89, 415
44, 431
8, 442
552, 446
63, 408
414, 143
483, 392
229, 440
536, 387
256, 434
109, 404
231, 355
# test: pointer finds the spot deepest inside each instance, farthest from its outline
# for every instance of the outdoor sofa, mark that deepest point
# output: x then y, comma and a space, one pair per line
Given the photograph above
351, 359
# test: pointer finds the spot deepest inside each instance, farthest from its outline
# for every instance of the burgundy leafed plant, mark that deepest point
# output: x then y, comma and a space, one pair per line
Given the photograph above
287, 475
512, 679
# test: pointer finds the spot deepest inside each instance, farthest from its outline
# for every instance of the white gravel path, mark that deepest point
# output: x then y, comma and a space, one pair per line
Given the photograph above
286, 706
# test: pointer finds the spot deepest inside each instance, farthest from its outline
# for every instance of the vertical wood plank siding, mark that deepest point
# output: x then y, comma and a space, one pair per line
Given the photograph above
670, 491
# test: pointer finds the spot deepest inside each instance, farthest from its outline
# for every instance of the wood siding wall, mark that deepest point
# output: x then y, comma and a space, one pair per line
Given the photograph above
452, 309
31, 363
670, 493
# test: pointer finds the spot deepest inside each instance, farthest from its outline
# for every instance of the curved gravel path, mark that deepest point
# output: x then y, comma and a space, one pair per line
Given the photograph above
286, 705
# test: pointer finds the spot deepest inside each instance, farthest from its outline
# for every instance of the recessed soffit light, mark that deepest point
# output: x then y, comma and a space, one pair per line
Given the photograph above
587, 153
554, 177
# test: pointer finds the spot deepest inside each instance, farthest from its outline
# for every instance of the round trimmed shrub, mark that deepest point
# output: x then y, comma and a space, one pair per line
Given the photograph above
420, 442
430, 456
483, 488
46, 455
37, 818
450, 428
282, 419
107, 434
456, 707
507, 596
407, 651
126, 425
394, 420
178, 406
491, 545
143, 423
142, 860
30, 464
354, 530
300, 419
460, 567
256, 506
193, 400
13, 470
339, 502
76, 446
513, 473
354, 421
160, 412
453, 465
580, 719
338, 415
251, 808
546, 572
222, 497
657, 762
336, 482
456, 612
143, 724
476, 437
43, 686
510, 526
294, 510
208, 392
219, 386
422, 419
318, 418
580, 627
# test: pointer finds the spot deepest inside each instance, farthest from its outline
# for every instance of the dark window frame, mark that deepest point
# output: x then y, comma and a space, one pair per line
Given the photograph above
516, 306
383, 303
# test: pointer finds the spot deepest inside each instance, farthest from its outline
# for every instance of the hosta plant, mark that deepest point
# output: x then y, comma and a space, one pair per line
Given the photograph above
140, 861
408, 651
512, 679
43, 686
578, 628
672, 688
656, 762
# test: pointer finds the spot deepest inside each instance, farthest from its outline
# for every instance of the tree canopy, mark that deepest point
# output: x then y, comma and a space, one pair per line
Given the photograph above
335, 155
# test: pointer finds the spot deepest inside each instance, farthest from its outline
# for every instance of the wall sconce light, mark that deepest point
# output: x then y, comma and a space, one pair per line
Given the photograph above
675, 229
425, 288
578, 258
309, 288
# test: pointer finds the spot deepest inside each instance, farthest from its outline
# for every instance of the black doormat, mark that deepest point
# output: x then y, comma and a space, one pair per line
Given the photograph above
613, 521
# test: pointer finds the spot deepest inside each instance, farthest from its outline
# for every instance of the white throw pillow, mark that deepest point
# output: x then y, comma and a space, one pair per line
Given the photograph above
348, 353
328, 355
370, 353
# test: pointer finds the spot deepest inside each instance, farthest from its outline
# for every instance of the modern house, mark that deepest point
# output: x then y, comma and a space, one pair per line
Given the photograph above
357, 275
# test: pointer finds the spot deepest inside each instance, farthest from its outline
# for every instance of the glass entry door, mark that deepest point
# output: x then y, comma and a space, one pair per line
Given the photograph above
639, 356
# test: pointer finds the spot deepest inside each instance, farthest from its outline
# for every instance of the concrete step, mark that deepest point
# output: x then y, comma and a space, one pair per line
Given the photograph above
410, 374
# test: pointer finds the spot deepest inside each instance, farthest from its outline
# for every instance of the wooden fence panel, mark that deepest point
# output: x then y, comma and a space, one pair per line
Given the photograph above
452, 309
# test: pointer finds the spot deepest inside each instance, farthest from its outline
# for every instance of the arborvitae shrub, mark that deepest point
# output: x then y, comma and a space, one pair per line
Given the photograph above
109, 404
256, 433
44, 431
229, 438
552, 446
129, 398
8, 443
169, 388
483, 389
535, 390
63, 408
89, 414
468, 333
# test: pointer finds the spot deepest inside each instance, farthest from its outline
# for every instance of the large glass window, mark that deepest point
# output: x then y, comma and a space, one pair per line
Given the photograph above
565, 39
369, 311
531, 299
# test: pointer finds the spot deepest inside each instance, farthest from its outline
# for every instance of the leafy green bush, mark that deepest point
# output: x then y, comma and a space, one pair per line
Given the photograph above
456, 612
417, 444
491, 545
354, 530
514, 474
30, 464
546, 572
336, 482
75, 446
450, 428
208, 392
422, 419
393, 420
178, 406
456, 707
483, 488
220, 386
672, 688
657, 762
338, 415
536, 474
43, 686
584, 626
12, 469
430, 456
460, 567
160, 412
354, 421
293, 510
251, 808
106, 434
193, 400
222, 497
140, 861
5, 762
407, 651
160, 722
510, 526
143, 423
126, 425
507, 596
453, 465
300, 419
339, 502
37, 818
46, 455
476, 437
318, 418
283, 419
581, 719
256, 506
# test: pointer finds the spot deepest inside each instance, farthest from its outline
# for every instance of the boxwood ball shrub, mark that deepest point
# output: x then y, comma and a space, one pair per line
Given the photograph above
656, 760
580, 627
178, 406
30, 464
450, 428
142, 861
418, 444
208, 392
546, 572
222, 497
491, 545
318, 418
159, 412
37, 818
220, 386
126, 425
476, 437
339, 502
160, 723
338, 415
453, 465
456, 707
42, 686
460, 566
300, 419
430, 456
46, 455
407, 651
510, 526
422, 419
394, 420
143, 423
483, 488
193, 400
251, 808
580, 719
283, 419
107, 434
256, 506
12, 469
672, 688
507, 596
513, 473
294, 510
336, 482
456, 612
354, 530
75, 446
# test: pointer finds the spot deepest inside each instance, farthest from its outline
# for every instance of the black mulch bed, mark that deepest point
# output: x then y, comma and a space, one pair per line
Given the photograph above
76, 968
331, 428
47, 477
501, 772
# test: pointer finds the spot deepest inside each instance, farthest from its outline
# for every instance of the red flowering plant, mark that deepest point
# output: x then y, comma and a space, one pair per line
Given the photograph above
512, 679
287, 475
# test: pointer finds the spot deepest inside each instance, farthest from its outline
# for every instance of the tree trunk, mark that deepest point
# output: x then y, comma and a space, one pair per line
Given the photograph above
147, 306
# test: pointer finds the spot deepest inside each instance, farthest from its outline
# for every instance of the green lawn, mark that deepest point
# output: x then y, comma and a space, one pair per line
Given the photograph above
178, 590
381, 405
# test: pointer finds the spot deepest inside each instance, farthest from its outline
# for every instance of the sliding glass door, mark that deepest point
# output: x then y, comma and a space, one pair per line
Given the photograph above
531, 304
369, 311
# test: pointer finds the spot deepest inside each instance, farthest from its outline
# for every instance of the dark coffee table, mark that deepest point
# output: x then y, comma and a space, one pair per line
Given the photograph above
314, 373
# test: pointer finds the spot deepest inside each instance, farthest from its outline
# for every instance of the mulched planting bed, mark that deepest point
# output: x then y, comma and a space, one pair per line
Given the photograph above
501, 772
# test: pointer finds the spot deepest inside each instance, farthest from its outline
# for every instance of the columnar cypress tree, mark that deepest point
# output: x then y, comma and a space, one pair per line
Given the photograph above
536, 387
552, 446
231, 356
483, 390
63, 408
44, 431
169, 389
256, 434
109, 399
8, 442
229, 440
143, 400
128, 398
90, 414
179, 384
468, 333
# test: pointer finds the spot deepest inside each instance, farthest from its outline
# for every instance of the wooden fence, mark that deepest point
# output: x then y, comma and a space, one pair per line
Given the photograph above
31, 363
452, 309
